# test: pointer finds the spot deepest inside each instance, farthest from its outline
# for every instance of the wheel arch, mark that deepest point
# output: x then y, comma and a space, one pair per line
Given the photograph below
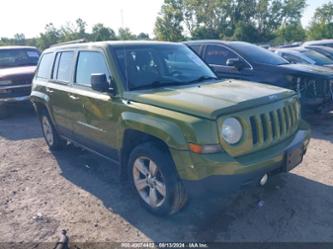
40, 102
133, 138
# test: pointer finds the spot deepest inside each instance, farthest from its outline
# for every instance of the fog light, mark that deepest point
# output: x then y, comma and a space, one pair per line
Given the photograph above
263, 180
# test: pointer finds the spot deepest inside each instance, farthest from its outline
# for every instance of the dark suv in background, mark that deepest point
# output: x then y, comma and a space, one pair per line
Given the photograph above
17, 69
241, 60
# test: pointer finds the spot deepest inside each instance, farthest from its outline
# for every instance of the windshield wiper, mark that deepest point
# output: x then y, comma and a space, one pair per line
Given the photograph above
158, 83
203, 78
155, 84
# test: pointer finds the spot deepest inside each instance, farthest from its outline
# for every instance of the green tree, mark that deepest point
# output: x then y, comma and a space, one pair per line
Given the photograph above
74, 31
168, 25
290, 33
19, 39
321, 26
143, 36
102, 33
125, 34
248, 20
50, 36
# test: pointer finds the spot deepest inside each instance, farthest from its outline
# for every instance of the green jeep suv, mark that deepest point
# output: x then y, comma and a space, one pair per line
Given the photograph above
158, 111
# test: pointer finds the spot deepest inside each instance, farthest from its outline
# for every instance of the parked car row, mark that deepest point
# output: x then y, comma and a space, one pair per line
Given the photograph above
179, 123
241, 60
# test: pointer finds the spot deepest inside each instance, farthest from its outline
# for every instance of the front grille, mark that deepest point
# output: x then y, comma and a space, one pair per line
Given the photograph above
22, 79
315, 88
273, 126
264, 126
16, 92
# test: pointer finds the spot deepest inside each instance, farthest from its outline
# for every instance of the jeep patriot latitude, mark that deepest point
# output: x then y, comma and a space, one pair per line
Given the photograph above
158, 111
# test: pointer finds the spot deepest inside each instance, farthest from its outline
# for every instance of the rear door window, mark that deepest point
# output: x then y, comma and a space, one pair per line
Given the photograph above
63, 66
294, 59
217, 55
90, 62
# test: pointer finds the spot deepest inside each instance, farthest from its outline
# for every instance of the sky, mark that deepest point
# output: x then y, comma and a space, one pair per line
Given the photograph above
308, 13
30, 17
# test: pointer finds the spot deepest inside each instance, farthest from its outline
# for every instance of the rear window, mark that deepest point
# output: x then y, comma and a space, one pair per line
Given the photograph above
256, 54
45, 66
317, 57
63, 66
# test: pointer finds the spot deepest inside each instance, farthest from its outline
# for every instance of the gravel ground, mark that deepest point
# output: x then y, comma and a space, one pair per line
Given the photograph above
42, 193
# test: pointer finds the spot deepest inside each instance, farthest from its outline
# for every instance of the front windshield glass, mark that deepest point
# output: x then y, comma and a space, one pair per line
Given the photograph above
149, 66
256, 54
317, 57
18, 57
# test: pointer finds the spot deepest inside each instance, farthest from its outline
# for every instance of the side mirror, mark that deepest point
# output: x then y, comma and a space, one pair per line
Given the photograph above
235, 62
99, 82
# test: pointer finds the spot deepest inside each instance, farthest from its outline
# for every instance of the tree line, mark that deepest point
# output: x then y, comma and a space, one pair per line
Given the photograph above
72, 31
256, 21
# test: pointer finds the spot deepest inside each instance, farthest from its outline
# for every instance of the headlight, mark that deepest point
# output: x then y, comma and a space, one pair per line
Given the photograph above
5, 82
232, 131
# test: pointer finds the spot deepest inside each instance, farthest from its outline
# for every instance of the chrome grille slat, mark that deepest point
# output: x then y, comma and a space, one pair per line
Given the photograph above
260, 130
277, 124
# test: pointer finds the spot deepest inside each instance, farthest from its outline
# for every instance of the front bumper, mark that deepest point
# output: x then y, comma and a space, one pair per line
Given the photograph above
324, 104
15, 93
220, 171
14, 99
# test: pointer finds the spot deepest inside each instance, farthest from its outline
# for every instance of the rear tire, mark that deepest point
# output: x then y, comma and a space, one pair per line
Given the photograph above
154, 178
52, 138
3, 111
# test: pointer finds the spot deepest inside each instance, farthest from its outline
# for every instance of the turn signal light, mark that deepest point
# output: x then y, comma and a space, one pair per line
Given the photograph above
205, 149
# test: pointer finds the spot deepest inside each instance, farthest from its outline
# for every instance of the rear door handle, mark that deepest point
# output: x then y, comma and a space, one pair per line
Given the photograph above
73, 97
49, 90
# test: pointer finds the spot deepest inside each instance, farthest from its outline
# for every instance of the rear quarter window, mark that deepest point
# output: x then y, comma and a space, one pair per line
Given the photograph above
196, 48
45, 66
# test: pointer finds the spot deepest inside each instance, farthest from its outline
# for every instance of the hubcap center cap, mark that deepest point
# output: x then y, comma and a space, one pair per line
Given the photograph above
151, 181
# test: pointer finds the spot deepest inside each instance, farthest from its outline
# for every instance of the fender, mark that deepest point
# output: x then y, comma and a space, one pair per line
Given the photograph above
155, 126
41, 98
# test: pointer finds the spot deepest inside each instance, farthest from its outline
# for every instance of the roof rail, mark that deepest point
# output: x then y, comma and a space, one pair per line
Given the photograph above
69, 42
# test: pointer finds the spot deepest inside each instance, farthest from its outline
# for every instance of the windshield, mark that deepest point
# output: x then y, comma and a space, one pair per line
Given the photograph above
317, 57
257, 54
18, 57
148, 66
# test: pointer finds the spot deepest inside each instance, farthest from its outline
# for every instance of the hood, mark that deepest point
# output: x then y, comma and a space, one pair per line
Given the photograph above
309, 70
6, 73
211, 100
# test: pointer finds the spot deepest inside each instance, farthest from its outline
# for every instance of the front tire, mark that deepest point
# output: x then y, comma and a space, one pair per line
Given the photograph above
52, 138
154, 177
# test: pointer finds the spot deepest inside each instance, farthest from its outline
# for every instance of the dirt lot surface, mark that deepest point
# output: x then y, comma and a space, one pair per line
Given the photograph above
42, 193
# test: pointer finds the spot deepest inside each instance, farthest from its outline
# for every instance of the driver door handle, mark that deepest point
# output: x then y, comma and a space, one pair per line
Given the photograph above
73, 97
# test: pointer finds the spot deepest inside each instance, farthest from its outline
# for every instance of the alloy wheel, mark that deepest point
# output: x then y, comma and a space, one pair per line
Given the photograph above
149, 182
48, 131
